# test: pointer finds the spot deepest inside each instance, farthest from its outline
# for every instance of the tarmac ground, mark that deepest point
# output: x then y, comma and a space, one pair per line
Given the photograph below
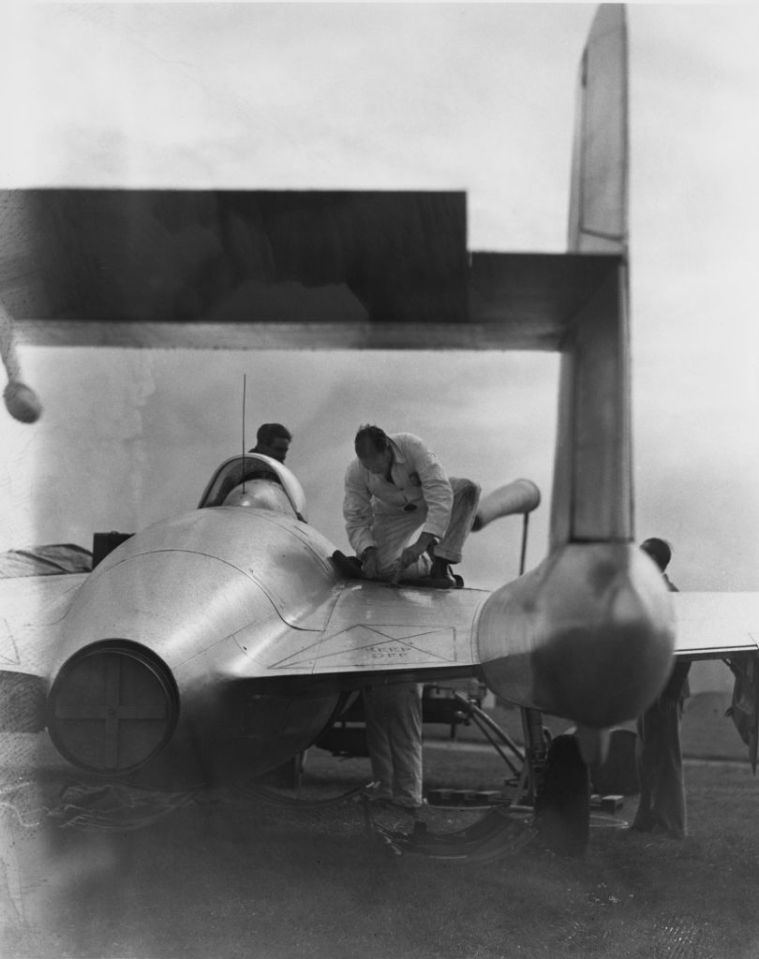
90, 870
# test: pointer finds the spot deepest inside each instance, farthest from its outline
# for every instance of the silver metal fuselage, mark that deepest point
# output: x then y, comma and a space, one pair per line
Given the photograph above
202, 595
172, 653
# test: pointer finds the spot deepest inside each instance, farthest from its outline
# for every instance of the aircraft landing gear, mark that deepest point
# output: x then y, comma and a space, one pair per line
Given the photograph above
562, 803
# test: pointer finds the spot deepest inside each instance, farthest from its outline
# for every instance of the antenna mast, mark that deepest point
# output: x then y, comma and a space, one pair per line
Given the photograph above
242, 457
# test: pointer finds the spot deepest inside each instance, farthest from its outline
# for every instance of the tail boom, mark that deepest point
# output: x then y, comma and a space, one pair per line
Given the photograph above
588, 635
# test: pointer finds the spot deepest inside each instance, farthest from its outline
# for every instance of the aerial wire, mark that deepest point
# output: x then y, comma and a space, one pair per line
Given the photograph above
242, 457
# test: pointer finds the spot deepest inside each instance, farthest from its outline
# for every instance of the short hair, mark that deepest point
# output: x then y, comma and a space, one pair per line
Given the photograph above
659, 550
268, 432
370, 438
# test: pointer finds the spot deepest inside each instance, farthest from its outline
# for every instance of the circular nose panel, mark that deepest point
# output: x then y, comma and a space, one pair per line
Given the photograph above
112, 708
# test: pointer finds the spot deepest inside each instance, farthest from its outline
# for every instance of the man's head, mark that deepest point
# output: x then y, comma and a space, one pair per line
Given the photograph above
273, 439
373, 449
659, 550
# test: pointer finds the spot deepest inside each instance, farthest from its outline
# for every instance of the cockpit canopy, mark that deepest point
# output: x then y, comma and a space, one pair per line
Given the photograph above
255, 480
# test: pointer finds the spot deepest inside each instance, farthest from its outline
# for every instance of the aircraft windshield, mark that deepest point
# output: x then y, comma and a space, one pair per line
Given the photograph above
264, 474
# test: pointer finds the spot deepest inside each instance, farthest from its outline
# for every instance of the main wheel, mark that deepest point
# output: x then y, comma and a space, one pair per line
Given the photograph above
562, 805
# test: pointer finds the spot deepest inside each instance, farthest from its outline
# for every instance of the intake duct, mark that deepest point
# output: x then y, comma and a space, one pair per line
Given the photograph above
112, 708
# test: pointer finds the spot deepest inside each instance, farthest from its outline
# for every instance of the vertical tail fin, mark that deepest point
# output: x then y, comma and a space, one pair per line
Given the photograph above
599, 198
592, 489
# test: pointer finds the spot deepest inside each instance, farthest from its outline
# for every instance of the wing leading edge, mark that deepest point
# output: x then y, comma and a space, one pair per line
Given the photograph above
377, 630
30, 609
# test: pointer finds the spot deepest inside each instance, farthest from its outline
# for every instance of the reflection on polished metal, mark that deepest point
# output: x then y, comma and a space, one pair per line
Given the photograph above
237, 470
590, 635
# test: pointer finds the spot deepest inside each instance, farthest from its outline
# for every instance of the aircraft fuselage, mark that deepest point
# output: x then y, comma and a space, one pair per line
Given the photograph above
165, 655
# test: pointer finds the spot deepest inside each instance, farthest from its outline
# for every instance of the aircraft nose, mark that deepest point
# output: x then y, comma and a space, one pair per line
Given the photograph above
112, 707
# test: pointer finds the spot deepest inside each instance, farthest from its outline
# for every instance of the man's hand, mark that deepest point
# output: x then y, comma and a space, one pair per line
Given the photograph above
370, 562
411, 554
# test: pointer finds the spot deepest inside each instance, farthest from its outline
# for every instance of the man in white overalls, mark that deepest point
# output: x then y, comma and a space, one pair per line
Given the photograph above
403, 517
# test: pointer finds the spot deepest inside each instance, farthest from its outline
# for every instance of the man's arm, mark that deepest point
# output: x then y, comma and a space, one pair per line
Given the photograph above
438, 494
412, 553
357, 510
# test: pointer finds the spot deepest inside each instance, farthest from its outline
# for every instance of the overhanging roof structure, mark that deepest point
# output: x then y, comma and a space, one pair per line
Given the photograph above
267, 269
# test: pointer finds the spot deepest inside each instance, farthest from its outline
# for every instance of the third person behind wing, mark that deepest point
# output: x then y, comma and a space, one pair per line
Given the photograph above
661, 807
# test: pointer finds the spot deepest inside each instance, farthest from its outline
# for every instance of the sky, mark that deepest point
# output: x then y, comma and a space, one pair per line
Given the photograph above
474, 97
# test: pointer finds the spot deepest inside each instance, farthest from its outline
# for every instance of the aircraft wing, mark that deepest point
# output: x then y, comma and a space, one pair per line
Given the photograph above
725, 626
716, 625
368, 627
30, 608
372, 629
377, 628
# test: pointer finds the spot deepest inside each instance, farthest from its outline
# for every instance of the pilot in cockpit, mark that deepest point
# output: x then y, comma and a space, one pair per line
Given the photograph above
259, 478
273, 439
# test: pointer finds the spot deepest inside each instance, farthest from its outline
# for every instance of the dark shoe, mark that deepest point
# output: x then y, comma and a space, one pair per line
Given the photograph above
442, 577
348, 566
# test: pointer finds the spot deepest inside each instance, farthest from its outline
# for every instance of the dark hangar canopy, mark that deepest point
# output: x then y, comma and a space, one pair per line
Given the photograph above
269, 269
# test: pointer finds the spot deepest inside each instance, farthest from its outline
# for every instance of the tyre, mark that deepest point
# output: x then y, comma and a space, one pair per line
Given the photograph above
562, 805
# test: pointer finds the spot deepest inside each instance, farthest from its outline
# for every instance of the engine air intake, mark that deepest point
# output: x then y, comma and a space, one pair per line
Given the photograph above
112, 707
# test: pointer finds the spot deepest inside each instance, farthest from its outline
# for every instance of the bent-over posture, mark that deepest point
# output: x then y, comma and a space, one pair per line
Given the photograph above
403, 515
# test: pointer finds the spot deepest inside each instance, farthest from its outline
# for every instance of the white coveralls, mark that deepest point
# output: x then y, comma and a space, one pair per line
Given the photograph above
419, 499
389, 515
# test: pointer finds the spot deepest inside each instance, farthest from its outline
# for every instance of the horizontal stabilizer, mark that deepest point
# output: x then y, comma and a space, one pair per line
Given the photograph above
519, 496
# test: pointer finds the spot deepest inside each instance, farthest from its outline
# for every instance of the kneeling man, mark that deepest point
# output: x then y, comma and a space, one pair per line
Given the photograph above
402, 515
396, 489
